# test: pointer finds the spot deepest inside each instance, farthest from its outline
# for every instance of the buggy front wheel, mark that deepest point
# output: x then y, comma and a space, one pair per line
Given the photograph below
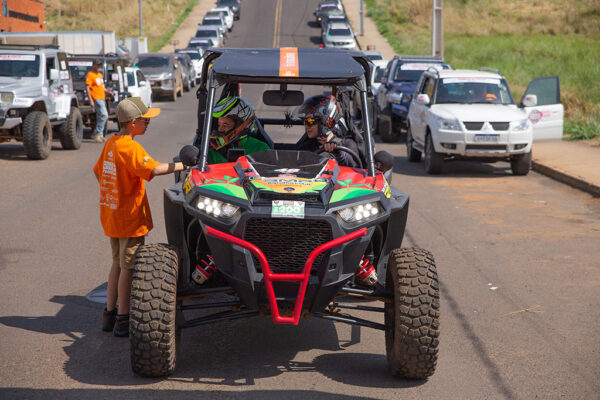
414, 315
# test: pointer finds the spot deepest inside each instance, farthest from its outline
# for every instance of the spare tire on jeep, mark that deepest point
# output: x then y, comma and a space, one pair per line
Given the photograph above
37, 135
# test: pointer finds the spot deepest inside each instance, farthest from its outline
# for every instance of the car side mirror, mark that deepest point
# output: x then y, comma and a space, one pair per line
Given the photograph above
53, 74
189, 155
142, 83
529, 101
423, 99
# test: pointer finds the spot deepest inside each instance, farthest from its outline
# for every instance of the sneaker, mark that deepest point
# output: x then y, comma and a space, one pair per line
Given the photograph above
97, 138
108, 320
121, 325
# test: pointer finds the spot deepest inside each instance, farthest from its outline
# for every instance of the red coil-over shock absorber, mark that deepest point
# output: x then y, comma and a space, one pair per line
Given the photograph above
366, 274
204, 270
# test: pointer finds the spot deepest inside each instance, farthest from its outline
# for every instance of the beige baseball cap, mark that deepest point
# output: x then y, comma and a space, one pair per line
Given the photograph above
132, 108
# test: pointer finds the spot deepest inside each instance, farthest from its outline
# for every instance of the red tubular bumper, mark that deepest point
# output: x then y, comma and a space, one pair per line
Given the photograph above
270, 277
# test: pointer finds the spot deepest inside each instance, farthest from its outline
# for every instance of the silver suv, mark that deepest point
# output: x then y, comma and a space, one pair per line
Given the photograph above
37, 99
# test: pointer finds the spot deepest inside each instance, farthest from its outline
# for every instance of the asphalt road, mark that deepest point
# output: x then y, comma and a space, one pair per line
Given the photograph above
517, 259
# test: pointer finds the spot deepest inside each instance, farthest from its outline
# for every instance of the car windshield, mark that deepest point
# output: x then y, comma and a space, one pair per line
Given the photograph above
378, 74
194, 55
24, 65
130, 79
328, 7
151, 62
211, 21
339, 32
79, 69
374, 57
473, 90
227, 2
411, 72
206, 33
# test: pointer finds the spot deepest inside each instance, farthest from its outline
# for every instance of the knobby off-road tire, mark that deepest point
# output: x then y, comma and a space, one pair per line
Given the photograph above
414, 315
152, 332
412, 154
434, 161
520, 164
37, 135
71, 132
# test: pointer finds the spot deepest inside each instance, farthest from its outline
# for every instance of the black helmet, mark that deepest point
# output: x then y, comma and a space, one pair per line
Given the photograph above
324, 108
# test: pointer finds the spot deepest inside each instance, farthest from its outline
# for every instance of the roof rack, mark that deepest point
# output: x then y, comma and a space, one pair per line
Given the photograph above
490, 69
434, 69
28, 46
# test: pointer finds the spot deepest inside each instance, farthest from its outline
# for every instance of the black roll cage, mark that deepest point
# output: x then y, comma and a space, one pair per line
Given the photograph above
212, 79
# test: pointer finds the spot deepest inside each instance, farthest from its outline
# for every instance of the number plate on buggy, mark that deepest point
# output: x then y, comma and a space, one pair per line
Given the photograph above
491, 138
287, 209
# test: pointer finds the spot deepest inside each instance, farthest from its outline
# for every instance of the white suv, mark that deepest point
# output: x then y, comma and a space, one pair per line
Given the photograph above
462, 114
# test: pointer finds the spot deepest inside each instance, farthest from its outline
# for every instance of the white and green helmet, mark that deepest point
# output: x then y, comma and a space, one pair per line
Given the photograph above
242, 114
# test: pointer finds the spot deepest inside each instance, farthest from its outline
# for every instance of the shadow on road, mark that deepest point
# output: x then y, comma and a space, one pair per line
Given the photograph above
228, 354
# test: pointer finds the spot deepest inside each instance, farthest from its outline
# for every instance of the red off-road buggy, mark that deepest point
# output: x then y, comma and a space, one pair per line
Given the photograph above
289, 234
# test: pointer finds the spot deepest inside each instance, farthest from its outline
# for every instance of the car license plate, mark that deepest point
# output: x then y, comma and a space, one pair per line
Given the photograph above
487, 138
287, 209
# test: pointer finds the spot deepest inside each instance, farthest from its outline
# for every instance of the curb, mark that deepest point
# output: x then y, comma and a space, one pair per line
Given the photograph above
563, 177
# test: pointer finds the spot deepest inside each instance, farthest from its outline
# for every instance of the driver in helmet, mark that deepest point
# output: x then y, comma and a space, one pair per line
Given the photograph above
235, 125
325, 130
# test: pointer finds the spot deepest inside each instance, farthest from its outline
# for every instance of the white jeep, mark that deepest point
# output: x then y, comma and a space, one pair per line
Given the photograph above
466, 114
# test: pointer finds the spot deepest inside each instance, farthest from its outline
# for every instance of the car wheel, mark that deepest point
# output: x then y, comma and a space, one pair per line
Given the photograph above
37, 135
386, 131
187, 86
520, 164
152, 331
414, 314
412, 154
434, 161
71, 132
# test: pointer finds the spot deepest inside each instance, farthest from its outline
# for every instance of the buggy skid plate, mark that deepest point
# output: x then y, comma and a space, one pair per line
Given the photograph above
270, 277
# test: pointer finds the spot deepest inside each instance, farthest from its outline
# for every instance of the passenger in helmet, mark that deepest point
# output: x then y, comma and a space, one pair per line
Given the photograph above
325, 128
235, 125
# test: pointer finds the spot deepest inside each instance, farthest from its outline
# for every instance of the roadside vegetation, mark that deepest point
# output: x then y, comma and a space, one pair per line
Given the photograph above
523, 40
161, 18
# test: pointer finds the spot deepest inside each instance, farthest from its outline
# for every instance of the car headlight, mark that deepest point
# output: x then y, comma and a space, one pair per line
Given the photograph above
7, 97
166, 75
395, 97
360, 212
216, 207
522, 125
449, 124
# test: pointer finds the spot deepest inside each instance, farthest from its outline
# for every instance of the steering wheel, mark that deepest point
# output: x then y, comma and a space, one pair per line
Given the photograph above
352, 153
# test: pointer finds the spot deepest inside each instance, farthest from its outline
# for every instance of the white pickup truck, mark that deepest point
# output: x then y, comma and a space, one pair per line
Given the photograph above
467, 114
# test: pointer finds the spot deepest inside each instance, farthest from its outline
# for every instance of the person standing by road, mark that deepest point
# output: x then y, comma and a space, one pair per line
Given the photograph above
94, 85
122, 169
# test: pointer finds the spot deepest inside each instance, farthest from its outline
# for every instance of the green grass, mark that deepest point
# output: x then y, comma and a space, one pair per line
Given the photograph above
159, 42
519, 56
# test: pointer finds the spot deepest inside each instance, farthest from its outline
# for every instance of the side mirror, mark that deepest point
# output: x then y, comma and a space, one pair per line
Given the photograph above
529, 101
283, 98
384, 161
423, 99
142, 83
189, 155
53, 74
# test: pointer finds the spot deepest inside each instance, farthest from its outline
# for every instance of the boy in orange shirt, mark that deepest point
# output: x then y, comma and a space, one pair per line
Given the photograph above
94, 84
121, 170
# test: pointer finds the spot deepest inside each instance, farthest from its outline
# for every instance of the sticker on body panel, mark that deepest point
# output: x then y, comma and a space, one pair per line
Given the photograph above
287, 209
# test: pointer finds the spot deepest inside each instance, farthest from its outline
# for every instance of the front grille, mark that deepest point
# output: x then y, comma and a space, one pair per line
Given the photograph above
287, 242
305, 197
479, 147
473, 126
500, 126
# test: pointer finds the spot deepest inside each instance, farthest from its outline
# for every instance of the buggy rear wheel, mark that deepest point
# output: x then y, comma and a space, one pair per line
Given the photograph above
152, 332
412, 342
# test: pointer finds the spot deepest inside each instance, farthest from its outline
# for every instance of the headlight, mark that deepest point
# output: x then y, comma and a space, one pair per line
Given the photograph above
395, 98
519, 126
360, 212
449, 124
215, 207
166, 75
7, 97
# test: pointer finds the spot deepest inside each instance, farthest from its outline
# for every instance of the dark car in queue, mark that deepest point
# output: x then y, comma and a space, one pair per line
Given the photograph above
164, 72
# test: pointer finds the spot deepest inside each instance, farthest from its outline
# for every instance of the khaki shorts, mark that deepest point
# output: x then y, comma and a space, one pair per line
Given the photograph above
123, 250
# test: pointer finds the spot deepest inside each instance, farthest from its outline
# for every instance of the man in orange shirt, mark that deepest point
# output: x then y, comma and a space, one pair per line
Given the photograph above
121, 170
94, 84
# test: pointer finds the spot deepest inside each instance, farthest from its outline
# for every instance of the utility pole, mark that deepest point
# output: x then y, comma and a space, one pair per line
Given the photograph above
140, 6
437, 32
360, 18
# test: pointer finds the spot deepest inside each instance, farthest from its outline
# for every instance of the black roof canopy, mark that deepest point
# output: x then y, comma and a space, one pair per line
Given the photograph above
306, 65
